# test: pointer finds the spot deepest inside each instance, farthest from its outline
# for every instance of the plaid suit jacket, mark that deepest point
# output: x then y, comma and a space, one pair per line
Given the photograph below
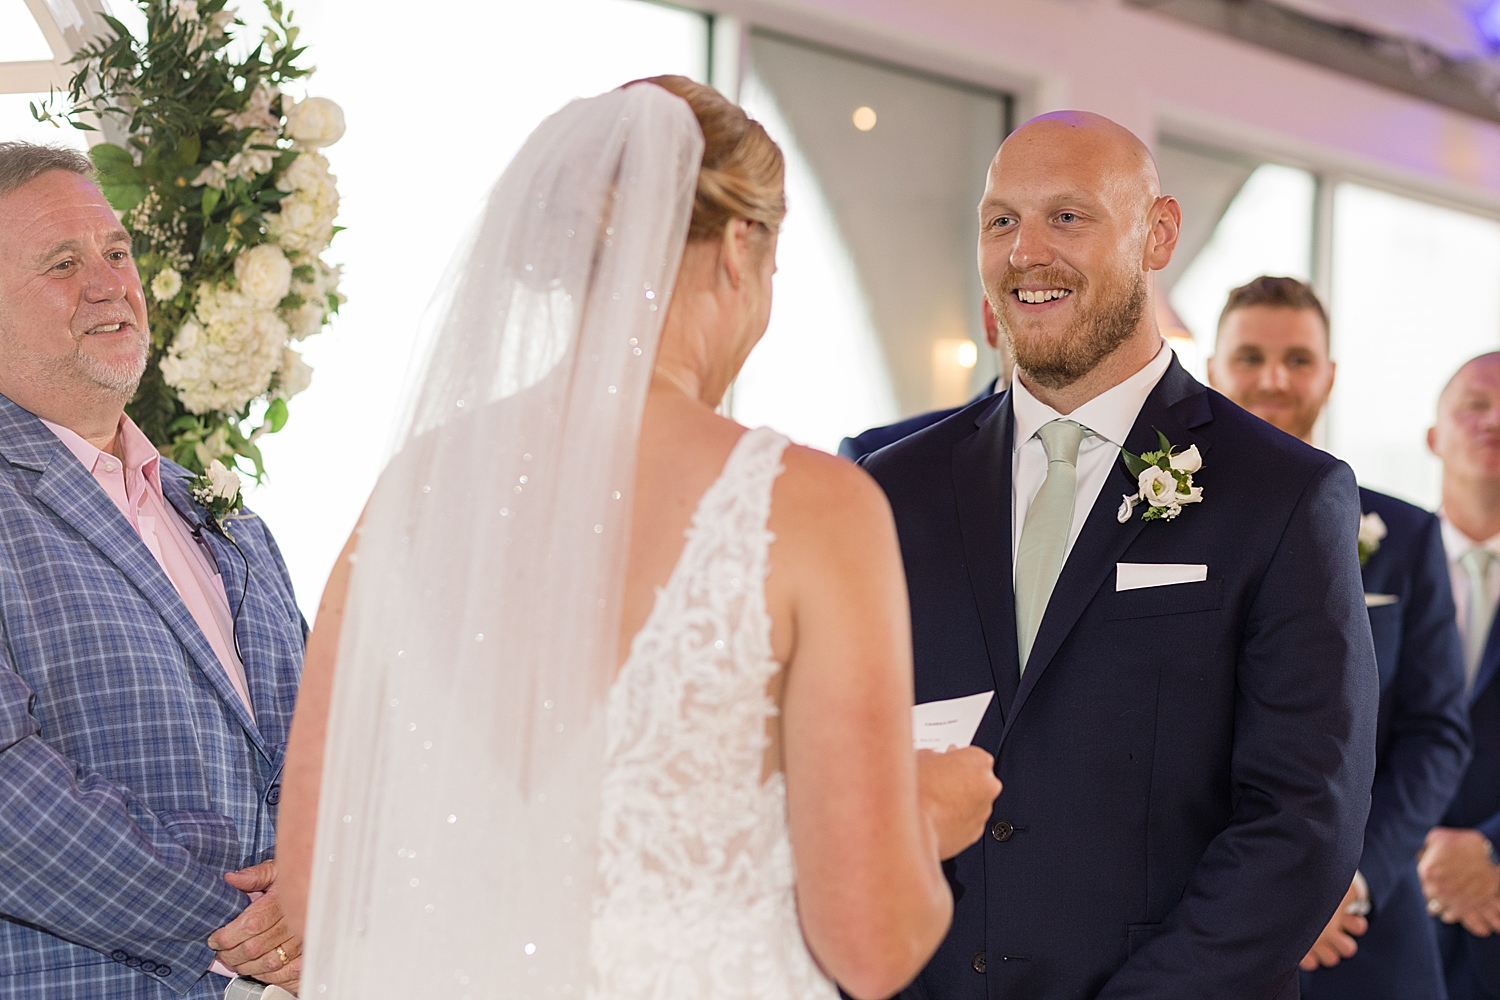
131, 776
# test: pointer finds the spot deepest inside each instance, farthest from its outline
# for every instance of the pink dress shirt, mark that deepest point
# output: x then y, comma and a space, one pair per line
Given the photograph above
135, 487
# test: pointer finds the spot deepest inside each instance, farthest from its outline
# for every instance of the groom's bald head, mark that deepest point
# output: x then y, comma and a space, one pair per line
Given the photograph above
1071, 225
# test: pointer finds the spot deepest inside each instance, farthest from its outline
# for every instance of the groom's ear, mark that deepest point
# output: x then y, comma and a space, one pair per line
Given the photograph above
1166, 225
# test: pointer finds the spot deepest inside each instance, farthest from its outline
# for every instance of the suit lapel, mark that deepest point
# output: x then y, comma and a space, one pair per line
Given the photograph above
1175, 406
982, 486
1489, 662
68, 489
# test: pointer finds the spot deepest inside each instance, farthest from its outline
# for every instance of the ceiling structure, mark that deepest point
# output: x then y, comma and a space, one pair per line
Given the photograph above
1444, 51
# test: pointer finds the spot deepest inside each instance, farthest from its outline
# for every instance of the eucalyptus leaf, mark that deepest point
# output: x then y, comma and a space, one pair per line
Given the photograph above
276, 415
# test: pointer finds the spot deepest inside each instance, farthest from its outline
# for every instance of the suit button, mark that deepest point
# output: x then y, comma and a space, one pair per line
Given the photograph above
274, 795
1001, 831
164, 971
133, 963
148, 966
979, 962
118, 955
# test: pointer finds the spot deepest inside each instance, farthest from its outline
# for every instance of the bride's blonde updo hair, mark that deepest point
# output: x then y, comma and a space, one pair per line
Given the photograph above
742, 172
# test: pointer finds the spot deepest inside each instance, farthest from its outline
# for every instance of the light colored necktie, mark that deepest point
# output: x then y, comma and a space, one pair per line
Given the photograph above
1044, 537
1481, 612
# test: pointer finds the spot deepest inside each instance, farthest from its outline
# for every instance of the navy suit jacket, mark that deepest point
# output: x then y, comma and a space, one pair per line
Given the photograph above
1474, 963
856, 448
1422, 745
1187, 768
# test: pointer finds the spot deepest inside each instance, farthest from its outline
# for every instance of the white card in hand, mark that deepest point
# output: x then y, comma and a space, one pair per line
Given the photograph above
938, 725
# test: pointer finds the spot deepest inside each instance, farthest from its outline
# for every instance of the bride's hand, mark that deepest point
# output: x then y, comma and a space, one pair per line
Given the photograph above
957, 790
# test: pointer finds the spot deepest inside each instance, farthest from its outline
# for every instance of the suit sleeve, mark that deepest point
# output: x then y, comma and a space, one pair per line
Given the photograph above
84, 859
1301, 768
1428, 741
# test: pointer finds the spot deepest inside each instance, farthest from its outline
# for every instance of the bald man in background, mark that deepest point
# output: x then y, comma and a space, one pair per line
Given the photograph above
1459, 868
1184, 798
1272, 358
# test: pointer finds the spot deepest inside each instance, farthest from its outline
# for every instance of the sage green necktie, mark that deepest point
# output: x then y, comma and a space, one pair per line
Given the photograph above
1044, 537
1477, 564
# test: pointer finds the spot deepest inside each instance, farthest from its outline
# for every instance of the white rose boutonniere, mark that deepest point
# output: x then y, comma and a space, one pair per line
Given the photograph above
1371, 533
218, 491
1164, 479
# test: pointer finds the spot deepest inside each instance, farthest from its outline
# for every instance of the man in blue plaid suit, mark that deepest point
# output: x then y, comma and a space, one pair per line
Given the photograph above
143, 711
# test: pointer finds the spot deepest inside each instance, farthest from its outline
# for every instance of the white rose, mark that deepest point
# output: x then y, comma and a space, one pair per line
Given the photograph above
294, 376
1159, 488
314, 122
225, 482
166, 284
1188, 461
1371, 530
264, 274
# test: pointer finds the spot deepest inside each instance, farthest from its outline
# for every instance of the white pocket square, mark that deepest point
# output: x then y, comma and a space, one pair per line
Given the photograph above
1134, 576
1380, 600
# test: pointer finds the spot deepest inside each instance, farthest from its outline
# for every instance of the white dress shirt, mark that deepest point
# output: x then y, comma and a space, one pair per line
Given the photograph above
1109, 417
1455, 545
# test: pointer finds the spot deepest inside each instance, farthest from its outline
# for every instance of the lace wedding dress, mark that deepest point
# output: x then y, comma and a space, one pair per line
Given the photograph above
697, 883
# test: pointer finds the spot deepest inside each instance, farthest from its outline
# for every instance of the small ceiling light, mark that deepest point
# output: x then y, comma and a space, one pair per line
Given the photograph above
864, 118
1487, 20
968, 354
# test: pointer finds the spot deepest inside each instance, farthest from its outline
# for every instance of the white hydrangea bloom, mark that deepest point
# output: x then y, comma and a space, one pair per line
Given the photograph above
225, 355
304, 224
294, 376
310, 317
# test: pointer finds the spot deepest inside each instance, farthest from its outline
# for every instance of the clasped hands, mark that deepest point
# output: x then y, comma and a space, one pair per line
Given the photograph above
1460, 881
259, 942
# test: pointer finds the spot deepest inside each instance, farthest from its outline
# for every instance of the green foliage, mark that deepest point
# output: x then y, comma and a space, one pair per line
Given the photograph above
172, 94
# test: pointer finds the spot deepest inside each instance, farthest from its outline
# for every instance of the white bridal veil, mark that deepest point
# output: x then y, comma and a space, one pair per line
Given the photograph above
455, 850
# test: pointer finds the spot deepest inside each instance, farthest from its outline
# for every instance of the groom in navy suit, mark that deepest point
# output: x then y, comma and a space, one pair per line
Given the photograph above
1186, 684
1272, 358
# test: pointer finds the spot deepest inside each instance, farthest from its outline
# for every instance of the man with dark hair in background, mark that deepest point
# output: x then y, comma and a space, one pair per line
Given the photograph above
1272, 358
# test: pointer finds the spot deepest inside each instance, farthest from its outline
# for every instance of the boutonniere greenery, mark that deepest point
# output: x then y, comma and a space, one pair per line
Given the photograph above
1165, 481
1371, 534
217, 491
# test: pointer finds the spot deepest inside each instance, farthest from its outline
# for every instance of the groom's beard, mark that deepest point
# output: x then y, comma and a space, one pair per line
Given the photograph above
1058, 361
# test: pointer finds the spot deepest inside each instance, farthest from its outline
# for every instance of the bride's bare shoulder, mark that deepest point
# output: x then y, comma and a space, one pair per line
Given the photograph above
828, 497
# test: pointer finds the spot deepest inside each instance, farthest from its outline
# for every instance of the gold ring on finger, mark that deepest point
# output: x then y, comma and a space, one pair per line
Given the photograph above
281, 954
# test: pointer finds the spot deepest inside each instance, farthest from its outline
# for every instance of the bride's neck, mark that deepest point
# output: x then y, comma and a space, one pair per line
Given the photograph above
694, 357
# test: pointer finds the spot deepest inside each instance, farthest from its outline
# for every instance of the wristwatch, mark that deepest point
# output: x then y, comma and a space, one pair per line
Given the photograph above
245, 988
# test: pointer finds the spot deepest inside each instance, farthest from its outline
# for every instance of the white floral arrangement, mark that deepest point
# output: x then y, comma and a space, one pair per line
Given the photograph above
232, 206
1164, 481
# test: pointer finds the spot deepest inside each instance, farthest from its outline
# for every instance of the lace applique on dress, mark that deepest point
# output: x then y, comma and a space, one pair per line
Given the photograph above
697, 882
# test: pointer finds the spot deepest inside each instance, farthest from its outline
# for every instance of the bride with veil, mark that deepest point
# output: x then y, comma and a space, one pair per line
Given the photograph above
609, 696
